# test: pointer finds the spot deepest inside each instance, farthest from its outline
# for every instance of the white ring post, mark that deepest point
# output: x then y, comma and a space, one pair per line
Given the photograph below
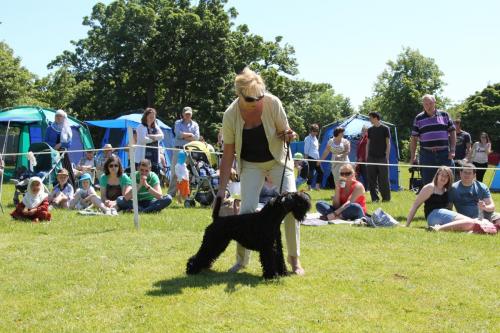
131, 154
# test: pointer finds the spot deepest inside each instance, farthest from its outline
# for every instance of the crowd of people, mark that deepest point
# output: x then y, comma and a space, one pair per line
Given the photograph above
254, 142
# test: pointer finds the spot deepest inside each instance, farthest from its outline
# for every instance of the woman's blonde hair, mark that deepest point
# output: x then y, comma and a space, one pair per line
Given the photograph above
349, 166
249, 83
448, 172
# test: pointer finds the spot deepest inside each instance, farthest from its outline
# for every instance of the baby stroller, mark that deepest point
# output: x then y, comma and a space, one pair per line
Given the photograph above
44, 166
204, 177
416, 182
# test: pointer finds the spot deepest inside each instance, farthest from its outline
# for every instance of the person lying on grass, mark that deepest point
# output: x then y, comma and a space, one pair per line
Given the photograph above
349, 201
63, 192
35, 204
435, 197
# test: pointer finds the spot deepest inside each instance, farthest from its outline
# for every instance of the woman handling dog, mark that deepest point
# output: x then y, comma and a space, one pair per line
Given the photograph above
255, 127
434, 196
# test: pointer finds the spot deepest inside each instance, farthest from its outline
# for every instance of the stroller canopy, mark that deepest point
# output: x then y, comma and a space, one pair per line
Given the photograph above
32, 122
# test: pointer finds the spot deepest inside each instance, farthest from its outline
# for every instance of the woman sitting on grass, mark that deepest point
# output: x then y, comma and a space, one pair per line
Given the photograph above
63, 192
349, 201
114, 182
434, 196
35, 204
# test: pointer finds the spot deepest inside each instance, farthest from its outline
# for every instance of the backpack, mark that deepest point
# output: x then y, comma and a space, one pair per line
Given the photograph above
380, 218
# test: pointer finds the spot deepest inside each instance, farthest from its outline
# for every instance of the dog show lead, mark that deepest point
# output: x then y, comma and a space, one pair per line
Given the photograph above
254, 127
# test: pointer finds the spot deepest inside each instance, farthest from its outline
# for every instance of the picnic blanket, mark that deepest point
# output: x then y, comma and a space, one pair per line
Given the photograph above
312, 219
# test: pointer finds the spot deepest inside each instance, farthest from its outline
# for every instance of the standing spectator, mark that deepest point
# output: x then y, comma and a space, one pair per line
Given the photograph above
114, 182
436, 134
340, 149
149, 196
255, 127
186, 130
182, 175
35, 204
463, 146
59, 136
378, 149
471, 197
149, 134
361, 156
311, 152
480, 151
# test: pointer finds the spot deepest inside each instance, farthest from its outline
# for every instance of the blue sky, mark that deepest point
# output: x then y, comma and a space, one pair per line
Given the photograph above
345, 43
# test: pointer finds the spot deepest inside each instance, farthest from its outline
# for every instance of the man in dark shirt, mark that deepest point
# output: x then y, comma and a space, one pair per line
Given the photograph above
463, 146
377, 150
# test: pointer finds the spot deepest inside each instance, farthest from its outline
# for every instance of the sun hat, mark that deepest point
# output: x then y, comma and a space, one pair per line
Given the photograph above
298, 156
85, 176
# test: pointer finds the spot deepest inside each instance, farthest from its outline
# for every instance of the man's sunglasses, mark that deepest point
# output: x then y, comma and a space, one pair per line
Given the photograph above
346, 174
251, 99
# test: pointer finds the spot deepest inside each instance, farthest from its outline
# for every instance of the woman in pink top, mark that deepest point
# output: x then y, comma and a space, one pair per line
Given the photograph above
349, 201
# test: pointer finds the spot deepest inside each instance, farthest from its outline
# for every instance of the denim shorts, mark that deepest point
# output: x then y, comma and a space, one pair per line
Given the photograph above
441, 216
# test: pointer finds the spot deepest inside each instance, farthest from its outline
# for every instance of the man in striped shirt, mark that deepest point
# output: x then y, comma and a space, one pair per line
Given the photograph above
435, 131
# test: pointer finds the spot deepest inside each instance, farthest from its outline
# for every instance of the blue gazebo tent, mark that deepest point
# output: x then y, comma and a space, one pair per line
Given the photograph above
495, 183
116, 133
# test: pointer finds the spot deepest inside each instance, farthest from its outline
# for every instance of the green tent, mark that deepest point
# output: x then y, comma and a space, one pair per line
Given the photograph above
28, 125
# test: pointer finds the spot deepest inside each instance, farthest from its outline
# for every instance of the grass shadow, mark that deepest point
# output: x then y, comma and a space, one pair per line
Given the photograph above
205, 280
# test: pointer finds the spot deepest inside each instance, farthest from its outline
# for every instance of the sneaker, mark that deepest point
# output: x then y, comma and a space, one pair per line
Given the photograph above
107, 211
113, 211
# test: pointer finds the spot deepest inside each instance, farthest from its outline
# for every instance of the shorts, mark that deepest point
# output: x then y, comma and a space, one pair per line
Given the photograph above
183, 188
441, 216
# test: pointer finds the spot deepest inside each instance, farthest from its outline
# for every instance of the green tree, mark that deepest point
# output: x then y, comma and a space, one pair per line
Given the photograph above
400, 87
16, 82
481, 112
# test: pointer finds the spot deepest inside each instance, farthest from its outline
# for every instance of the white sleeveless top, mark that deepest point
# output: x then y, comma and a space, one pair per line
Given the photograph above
338, 149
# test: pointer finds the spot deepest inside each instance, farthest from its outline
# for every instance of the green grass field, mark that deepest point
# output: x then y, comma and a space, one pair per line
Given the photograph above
98, 274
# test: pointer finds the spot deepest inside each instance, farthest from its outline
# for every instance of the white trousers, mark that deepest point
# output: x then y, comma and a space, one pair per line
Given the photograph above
252, 180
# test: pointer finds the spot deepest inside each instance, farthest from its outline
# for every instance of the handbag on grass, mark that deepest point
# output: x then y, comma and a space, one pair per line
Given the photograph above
380, 218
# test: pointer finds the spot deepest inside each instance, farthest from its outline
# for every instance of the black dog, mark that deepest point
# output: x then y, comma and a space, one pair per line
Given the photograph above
255, 231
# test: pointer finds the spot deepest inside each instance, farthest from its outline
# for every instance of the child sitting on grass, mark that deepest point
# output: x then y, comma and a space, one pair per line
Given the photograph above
35, 204
182, 174
85, 196
63, 192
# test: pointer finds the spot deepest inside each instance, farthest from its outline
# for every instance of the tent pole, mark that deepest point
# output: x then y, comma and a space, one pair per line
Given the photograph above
131, 155
3, 163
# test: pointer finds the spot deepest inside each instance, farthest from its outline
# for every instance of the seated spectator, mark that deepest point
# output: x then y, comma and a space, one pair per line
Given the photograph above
35, 204
149, 196
87, 164
86, 196
302, 169
63, 192
268, 191
114, 182
435, 197
102, 157
471, 197
349, 202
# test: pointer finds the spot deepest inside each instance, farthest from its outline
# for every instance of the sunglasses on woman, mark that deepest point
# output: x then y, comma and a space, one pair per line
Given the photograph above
346, 174
251, 99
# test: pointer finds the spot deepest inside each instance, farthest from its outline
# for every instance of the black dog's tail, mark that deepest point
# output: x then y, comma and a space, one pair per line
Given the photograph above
218, 203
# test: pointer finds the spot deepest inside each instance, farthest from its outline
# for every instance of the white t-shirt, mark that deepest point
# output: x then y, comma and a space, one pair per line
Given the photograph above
181, 172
